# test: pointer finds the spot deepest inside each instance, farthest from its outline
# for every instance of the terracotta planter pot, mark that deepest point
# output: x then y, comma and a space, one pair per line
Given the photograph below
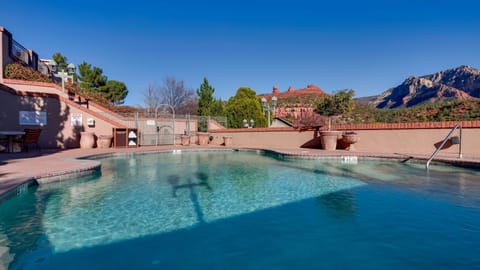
185, 140
87, 139
350, 139
203, 138
329, 139
227, 140
104, 141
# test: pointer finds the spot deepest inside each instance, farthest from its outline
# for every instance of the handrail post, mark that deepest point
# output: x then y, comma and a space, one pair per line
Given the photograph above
443, 143
460, 144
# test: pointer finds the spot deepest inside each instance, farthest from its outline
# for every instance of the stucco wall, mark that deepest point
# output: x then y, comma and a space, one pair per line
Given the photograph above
59, 131
38, 87
258, 138
419, 141
416, 141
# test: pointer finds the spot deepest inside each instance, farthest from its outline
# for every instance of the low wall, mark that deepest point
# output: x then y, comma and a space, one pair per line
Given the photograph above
406, 138
258, 137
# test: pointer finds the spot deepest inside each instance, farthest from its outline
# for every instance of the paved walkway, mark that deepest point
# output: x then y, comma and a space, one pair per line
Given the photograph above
17, 169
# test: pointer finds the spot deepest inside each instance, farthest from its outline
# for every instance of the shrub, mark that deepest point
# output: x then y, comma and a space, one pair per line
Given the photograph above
20, 72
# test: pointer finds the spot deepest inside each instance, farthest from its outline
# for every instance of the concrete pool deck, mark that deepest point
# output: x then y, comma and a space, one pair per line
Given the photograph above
20, 170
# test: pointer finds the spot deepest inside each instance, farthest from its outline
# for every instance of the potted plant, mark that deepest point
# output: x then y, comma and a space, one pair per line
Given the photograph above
349, 138
337, 104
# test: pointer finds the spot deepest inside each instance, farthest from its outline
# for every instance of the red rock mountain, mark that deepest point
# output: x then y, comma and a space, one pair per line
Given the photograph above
453, 84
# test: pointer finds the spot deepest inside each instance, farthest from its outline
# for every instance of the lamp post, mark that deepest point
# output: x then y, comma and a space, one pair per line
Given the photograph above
62, 74
267, 107
246, 125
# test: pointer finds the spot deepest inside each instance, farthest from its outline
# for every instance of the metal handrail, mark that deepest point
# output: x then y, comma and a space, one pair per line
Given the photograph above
19, 52
443, 143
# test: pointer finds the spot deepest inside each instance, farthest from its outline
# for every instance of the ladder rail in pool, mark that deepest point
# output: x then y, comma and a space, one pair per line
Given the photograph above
445, 141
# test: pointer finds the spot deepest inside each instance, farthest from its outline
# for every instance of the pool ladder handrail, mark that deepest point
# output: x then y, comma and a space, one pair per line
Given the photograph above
445, 141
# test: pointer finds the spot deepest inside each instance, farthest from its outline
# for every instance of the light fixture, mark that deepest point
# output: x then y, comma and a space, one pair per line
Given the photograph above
71, 68
53, 66
246, 125
267, 107
62, 74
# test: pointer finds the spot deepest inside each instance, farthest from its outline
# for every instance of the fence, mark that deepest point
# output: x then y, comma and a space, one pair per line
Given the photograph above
165, 128
206, 123
19, 52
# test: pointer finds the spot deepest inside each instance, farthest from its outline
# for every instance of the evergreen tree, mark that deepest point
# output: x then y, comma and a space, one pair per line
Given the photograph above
205, 98
245, 105
60, 60
207, 104
114, 91
91, 78
218, 108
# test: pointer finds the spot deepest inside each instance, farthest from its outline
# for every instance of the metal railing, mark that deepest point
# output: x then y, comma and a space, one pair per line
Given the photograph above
443, 144
204, 122
19, 52
42, 67
162, 127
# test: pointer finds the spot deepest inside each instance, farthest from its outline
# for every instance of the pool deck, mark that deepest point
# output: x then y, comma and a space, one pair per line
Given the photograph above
20, 170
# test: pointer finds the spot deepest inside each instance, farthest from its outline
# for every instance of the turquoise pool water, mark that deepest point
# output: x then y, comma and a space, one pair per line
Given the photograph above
246, 210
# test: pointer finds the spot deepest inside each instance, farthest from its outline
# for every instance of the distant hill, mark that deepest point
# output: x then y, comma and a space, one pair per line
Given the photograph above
453, 84
456, 110
365, 100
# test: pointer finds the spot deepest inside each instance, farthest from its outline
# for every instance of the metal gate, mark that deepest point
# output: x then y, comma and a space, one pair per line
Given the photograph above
156, 129
163, 128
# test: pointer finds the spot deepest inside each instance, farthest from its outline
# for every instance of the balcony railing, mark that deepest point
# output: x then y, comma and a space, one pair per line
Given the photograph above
20, 53
42, 68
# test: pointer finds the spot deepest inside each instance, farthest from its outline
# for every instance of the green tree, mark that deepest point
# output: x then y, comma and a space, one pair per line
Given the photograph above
244, 105
337, 104
91, 78
207, 104
218, 108
114, 91
60, 60
62, 63
205, 98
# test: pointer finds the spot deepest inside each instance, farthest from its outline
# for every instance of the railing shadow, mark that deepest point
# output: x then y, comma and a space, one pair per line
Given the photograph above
174, 181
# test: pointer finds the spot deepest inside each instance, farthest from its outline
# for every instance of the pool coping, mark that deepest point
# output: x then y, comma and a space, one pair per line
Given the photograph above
70, 164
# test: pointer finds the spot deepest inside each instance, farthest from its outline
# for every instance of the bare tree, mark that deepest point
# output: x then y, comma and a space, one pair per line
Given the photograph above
151, 97
175, 94
191, 107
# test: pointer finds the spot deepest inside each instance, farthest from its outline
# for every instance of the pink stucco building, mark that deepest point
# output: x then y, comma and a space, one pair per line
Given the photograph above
62, 118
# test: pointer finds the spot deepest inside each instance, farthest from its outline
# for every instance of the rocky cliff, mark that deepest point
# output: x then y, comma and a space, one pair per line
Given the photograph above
453, 84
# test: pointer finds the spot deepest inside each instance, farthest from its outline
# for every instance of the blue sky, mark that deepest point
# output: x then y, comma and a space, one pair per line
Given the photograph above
368, 46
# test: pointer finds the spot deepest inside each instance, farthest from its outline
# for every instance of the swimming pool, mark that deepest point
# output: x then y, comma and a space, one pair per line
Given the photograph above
246, 210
